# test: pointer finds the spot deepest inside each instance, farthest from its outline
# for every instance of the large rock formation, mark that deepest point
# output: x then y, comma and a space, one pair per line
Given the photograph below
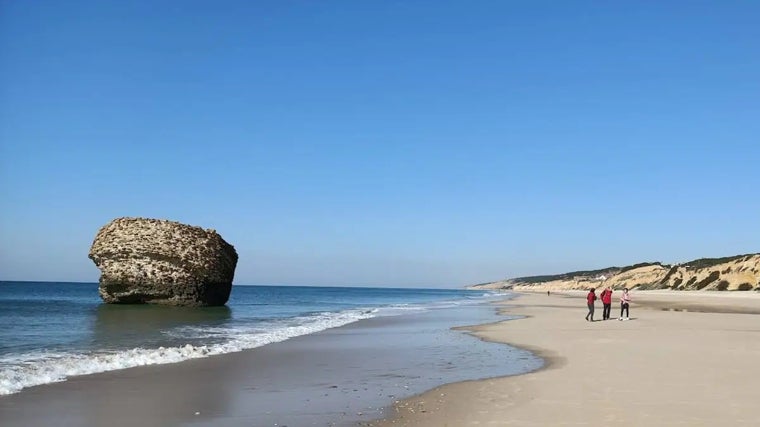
162, 262
736, 273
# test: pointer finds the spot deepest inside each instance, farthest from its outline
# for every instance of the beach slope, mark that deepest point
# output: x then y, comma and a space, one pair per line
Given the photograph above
682, 360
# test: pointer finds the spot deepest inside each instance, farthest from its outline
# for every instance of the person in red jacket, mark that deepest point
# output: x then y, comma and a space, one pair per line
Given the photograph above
606, 297
590, 298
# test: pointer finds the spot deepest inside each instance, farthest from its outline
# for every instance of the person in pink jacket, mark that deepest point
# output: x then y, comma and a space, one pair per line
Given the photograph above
625, 300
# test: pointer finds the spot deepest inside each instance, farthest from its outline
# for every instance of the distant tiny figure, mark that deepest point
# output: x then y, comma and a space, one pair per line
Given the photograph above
590, 298
548, 293
624, 301
606, 297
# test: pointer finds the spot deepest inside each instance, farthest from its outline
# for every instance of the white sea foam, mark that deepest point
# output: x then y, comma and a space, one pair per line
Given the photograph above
26, 370
20, 371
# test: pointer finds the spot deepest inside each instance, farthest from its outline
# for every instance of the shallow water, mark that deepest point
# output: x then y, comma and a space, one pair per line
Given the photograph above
337, 377
58, 330
366, 366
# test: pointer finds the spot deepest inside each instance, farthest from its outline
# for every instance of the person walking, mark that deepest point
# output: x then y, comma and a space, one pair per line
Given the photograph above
606, 297
590, 298
625, 300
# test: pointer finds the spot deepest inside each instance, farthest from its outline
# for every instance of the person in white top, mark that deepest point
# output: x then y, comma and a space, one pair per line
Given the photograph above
625, 300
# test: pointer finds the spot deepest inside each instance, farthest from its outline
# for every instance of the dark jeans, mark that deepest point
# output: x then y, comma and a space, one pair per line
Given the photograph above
590, 312
624, 306
606, 311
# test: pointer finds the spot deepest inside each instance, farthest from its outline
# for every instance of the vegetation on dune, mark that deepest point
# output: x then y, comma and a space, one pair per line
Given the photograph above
568, 276
671, 272
482, 284
639, 265
584, 274
715, 275
645, 286
709, 262
676, 269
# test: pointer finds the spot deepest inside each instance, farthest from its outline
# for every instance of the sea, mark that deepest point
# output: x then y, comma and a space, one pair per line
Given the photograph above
52, 331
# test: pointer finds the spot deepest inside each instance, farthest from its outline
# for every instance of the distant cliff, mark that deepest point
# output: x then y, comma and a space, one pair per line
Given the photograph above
735, 273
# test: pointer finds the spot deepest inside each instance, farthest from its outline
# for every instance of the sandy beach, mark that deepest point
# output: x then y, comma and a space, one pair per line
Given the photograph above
686, 359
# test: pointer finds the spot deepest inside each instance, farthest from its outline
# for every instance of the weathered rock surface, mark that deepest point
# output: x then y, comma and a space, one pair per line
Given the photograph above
735, 273
162, 262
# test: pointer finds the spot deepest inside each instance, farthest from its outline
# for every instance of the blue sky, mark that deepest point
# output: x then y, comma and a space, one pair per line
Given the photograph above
387, 143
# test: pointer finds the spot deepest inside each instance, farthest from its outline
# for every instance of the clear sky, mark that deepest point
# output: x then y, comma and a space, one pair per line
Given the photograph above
390, 143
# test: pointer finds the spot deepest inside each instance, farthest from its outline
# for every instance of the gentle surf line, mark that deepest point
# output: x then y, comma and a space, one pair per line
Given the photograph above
43, 368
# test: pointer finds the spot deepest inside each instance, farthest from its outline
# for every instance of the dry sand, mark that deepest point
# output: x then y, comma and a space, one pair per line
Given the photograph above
664, 367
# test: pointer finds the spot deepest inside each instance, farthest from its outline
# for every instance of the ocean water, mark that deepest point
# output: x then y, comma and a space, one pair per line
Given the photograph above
52, 331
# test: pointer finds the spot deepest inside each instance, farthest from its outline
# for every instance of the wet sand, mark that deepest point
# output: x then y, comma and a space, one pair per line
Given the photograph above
341, 377
684, 359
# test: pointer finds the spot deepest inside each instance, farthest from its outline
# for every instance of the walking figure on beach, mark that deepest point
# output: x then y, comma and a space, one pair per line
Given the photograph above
624, 301
606, 297
590, 298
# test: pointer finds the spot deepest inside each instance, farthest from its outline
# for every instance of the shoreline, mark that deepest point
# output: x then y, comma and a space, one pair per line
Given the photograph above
340, 377
579, 382
219, 391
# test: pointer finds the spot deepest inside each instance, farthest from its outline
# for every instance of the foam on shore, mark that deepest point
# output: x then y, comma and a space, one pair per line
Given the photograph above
21, 371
